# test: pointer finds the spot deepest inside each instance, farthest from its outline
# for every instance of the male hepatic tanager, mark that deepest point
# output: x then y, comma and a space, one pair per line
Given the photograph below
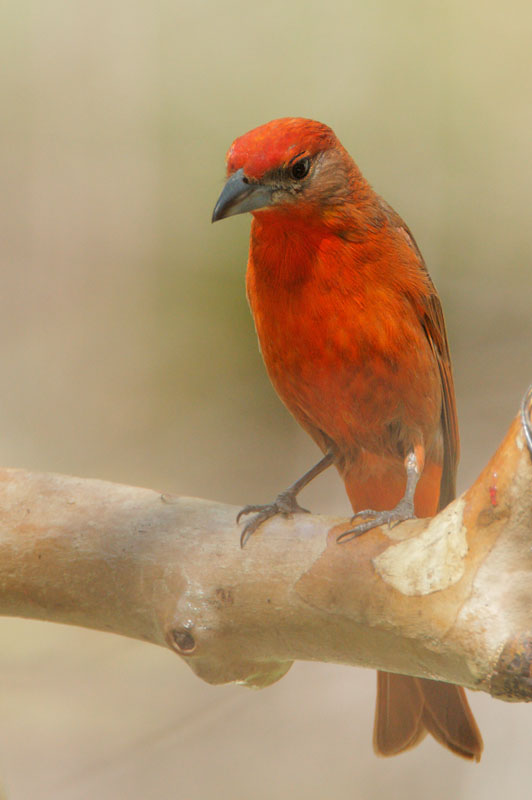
352, 334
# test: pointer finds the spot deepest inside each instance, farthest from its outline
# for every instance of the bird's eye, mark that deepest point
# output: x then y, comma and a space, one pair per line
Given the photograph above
300, 169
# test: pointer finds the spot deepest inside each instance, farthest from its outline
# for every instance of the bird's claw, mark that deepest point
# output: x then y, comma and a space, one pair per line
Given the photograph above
403, 510
285, 504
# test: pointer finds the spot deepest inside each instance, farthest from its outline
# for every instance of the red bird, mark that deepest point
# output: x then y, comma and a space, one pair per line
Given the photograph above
352, 334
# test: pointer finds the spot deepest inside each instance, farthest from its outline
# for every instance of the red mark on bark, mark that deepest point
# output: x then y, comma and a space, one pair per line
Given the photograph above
493, 491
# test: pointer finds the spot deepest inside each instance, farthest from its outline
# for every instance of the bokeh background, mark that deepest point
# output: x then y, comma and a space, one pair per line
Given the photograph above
128, 353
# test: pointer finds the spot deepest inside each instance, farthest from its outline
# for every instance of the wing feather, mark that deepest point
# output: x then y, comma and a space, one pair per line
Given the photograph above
434, 327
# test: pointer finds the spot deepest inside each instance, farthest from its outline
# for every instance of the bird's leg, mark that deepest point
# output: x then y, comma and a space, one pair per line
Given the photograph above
285, 503
404, 508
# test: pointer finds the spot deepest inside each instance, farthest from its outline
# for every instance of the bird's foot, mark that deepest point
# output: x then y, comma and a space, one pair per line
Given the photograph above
403, 510
285, 504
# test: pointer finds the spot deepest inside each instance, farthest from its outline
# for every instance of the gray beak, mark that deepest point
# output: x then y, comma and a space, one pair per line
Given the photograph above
240, 195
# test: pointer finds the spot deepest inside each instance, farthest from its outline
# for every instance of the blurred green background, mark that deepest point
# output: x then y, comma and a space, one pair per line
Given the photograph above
128, 352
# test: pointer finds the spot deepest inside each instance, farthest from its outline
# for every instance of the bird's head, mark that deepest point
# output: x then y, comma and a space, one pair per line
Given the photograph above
284, 164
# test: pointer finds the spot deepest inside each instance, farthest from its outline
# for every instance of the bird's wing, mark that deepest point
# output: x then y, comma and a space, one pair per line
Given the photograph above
434, 327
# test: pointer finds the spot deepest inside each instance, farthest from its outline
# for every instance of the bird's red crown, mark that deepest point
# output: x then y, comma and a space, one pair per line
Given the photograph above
278, 143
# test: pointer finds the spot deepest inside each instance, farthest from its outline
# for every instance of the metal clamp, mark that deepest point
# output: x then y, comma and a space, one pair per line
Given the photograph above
525, 417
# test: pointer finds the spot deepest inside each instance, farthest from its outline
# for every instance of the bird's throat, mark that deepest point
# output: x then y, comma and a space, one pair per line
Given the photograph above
285, 248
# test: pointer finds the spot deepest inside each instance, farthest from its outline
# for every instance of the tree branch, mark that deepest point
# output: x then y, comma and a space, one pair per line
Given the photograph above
447, 598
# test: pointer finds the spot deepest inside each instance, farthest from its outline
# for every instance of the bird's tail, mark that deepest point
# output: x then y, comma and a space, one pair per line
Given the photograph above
409, 708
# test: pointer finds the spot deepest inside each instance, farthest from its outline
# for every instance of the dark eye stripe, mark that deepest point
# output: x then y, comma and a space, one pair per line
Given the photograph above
294, 158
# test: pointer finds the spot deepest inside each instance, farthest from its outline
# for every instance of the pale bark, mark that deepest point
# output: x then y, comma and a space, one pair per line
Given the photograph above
447, 598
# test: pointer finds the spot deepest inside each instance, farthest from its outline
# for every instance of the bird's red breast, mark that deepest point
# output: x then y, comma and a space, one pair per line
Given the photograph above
338, 300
